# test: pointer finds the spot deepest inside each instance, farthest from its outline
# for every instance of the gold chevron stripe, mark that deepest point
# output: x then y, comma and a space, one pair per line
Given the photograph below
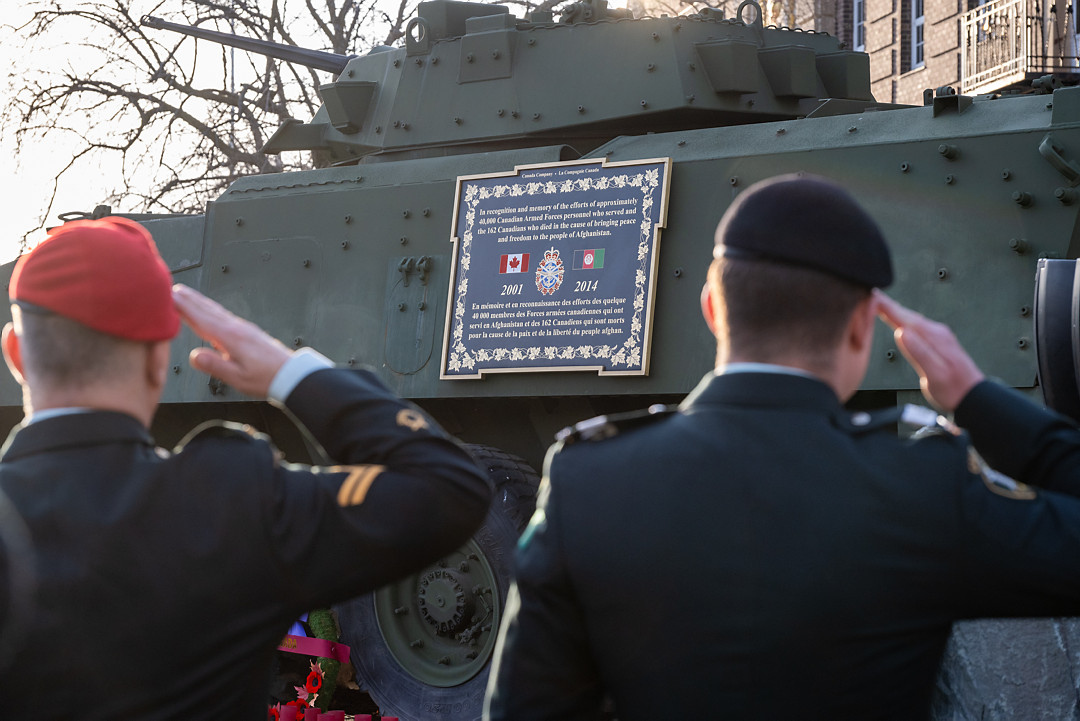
354, 489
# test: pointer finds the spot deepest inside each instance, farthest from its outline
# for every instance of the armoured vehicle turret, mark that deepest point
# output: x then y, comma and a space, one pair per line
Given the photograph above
514, 230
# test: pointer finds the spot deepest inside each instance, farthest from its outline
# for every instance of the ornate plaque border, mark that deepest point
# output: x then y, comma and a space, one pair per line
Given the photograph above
634, 353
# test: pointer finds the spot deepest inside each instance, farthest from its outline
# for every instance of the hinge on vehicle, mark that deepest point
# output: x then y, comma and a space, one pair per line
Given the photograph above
406, 266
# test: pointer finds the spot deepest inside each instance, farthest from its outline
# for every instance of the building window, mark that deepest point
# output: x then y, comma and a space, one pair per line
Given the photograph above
917, 60
859, 30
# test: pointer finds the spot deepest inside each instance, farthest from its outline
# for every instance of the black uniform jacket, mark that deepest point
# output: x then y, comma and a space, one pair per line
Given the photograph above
766, 554
1020, 439
165, 580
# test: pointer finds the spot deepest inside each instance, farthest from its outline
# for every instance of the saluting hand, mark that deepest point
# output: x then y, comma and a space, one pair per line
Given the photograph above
946, 371
243, 355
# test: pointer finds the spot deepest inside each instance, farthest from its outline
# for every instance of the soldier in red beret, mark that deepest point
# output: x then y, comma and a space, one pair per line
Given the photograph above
164, 580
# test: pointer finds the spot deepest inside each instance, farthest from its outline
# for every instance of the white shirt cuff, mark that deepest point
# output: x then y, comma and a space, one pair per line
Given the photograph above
300, 365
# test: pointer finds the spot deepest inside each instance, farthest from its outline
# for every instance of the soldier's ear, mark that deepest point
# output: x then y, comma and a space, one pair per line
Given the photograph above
708, 308
157, 363
861, 325
12, 353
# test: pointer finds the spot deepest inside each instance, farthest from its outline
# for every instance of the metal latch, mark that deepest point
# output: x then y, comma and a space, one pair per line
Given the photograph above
424, 266
421, 266
1055, 155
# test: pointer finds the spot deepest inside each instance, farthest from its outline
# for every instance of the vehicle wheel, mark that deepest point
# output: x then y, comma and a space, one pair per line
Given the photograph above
422, 647
515, 483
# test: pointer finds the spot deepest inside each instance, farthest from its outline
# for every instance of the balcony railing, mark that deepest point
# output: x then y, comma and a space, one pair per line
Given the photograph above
1003, 46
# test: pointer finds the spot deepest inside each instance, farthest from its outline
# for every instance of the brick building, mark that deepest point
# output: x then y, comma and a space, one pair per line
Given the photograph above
975, 47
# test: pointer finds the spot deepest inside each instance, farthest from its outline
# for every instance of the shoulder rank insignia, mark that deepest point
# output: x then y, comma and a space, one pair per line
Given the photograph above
601, 427
354, 488
412, 419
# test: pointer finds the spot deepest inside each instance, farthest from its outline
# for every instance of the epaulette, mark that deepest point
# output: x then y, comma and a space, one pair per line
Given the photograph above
602, 427
925, 419
857, 422
928, 422
221, 429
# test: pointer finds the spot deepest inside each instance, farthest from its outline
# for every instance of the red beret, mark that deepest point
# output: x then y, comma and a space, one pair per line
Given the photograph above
105, 274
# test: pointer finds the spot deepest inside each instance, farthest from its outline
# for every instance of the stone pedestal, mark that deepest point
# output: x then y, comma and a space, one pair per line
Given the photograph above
1002, 670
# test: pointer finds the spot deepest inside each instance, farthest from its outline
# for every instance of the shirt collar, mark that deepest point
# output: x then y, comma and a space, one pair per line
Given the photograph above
53, 413
749, 367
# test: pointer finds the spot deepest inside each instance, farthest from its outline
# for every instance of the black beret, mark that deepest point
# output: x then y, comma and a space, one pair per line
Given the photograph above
808, 221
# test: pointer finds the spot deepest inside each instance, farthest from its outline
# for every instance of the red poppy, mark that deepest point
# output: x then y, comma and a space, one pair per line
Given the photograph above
274, 714
314, 682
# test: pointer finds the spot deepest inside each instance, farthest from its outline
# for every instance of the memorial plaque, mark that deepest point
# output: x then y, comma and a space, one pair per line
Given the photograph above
554, 268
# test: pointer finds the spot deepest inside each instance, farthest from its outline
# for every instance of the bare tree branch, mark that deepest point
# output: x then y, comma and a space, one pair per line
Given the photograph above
181, 118
180, 122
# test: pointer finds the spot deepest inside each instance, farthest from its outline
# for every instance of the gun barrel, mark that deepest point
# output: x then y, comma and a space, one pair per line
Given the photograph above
317, 59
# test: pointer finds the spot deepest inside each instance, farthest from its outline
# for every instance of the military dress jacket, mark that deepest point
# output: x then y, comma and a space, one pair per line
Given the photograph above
166, 580
1021, 439
764, 553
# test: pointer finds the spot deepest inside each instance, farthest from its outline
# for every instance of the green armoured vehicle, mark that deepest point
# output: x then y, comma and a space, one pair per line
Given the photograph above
496, 169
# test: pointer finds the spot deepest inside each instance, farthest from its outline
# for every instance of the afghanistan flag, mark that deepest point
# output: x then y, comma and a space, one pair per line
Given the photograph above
514, 263
589, 259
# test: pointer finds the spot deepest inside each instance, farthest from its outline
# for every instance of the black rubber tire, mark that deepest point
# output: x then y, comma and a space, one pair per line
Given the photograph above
515, 483
396, 691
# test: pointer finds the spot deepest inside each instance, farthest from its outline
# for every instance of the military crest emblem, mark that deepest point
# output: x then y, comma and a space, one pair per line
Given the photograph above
549, 272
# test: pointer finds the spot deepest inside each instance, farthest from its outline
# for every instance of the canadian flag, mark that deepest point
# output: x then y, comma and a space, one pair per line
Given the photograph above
514, 263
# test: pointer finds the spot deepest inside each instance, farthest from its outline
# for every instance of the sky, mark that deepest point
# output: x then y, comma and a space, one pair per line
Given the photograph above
26, 182
21, 184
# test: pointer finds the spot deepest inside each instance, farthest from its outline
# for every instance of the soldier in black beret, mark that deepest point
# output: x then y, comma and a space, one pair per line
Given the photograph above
761, 552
